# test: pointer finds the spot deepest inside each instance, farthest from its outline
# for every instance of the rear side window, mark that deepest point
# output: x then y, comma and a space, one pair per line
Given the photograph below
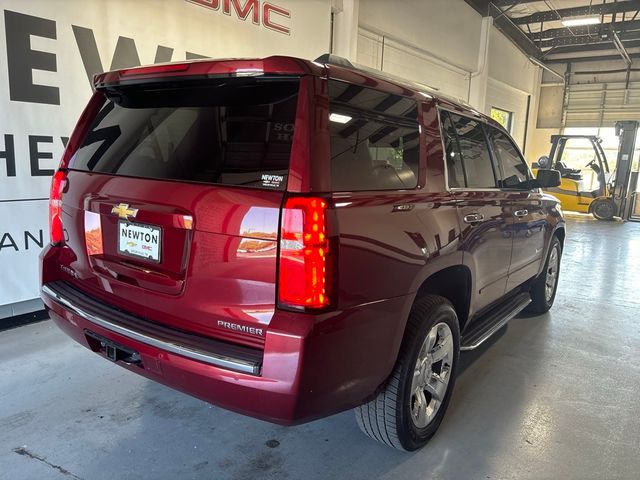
472, 148
375, 139
514, 171
236, 131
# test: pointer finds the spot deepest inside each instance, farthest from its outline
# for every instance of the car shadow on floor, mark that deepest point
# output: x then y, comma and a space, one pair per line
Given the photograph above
162, 433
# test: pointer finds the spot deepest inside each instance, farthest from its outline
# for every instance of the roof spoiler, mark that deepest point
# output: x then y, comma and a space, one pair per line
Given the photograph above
331, 59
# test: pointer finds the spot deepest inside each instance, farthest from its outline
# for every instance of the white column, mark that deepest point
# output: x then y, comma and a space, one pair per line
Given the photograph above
478, 81
345, 28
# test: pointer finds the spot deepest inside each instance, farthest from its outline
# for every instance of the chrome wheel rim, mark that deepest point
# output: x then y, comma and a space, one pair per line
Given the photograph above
551, 278
431, 375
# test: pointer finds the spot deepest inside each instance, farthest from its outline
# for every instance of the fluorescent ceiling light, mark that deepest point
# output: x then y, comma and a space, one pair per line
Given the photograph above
579, 22
336, 117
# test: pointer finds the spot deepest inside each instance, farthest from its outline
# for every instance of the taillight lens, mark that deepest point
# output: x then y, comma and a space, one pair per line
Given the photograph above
304, 252
55, 207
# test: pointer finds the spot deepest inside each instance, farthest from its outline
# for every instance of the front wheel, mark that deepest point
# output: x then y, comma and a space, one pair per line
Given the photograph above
410, 408
543, 290
603, 208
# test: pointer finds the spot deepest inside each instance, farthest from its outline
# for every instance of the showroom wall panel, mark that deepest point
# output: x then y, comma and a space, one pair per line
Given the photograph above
50, 48
438, 43
411, 63
505, 97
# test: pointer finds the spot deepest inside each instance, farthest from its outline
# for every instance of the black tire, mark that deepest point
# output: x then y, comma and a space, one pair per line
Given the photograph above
540, 301
387, 417
603, 208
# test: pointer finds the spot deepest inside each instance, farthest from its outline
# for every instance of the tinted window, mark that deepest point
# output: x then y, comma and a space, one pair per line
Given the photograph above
235, 132
374, 139
513, 169
474, 151
455, 169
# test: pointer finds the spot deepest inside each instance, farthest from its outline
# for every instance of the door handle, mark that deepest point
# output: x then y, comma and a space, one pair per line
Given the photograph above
521, 213
473, 218
402, 207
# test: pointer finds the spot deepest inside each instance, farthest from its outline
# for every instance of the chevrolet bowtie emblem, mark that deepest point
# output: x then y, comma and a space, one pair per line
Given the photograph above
123, 211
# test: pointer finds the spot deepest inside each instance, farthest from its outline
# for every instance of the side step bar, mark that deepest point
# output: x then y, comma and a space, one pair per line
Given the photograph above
494, 321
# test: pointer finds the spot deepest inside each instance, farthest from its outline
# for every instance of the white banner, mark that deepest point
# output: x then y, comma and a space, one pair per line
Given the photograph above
49, 49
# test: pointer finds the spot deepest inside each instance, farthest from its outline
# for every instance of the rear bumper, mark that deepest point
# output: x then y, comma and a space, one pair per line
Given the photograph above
211, 352
312, 366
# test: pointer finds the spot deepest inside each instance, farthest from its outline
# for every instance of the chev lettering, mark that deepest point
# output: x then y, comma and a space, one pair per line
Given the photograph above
252, 8
240, 328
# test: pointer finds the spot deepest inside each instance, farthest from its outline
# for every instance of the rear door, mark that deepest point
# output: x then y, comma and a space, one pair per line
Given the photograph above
529, 217
483, 209
173, 200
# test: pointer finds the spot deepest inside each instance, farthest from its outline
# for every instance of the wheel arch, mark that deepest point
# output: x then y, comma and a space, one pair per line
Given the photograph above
560, 233
453, 283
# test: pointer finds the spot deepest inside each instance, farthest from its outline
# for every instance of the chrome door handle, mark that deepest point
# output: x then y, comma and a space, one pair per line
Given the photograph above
402, 207
473, 218
521, 213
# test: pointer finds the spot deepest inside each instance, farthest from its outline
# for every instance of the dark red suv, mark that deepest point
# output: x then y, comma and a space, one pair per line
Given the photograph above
289, 239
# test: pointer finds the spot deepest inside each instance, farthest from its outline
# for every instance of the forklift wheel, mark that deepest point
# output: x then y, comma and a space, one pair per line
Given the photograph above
603, 208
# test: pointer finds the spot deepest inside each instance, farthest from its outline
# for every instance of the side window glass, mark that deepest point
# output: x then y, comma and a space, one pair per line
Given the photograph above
375, 139
474, 151
452, 152
513, 169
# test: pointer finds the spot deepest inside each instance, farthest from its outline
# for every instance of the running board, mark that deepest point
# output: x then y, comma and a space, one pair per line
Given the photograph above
483, 328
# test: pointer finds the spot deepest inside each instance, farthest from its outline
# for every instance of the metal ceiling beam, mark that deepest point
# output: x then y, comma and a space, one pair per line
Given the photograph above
587, 48
599, 58
509, 3
480, 6
588, 40
585, 30
506, 26
600, 9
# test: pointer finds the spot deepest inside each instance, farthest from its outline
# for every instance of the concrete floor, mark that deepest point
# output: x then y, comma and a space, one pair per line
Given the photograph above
552, 397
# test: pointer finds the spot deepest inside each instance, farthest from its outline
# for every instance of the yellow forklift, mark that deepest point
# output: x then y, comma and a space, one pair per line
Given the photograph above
609, 198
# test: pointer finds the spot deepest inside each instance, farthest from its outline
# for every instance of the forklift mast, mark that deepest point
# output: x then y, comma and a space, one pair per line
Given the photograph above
626, 131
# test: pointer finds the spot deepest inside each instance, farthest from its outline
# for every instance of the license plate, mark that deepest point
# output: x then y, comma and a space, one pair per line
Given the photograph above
137, 240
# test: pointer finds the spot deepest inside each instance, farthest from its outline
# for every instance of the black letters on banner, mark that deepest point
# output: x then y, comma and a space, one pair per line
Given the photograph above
21, 60
35, 155
9, 154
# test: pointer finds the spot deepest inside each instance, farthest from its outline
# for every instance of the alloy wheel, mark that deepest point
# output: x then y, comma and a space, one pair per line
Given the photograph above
552, 274
431, 375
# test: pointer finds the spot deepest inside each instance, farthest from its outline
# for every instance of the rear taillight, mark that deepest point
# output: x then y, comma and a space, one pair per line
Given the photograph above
303, 275
55, 207
59, 180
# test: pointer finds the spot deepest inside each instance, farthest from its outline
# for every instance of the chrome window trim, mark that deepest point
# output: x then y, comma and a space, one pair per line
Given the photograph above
182, 350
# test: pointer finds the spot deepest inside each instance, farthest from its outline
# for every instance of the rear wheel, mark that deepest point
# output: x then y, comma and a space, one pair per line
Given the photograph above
410, 408
543, 290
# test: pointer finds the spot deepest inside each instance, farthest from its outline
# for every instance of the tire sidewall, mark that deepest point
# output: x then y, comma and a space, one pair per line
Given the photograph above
554, 244
409, 434
599, 204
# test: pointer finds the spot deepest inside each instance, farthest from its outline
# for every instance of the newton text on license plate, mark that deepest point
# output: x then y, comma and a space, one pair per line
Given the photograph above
139, 240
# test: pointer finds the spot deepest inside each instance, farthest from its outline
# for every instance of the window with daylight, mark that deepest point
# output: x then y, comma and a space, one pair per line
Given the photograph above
503, 117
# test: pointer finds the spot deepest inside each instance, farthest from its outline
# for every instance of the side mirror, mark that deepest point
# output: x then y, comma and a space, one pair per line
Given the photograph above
544, 162
547, 179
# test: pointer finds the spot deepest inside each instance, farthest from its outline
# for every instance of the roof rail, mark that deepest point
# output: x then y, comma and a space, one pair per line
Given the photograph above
336, 60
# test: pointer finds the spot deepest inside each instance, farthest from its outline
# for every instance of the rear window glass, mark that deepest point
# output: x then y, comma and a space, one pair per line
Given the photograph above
233, 132
374, 139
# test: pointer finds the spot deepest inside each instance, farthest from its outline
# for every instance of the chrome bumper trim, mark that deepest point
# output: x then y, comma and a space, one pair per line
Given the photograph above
185, 351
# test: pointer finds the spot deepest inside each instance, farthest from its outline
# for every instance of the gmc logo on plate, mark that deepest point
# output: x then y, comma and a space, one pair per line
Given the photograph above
271, 16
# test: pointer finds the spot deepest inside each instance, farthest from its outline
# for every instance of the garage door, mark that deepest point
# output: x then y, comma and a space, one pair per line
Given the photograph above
601, 104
